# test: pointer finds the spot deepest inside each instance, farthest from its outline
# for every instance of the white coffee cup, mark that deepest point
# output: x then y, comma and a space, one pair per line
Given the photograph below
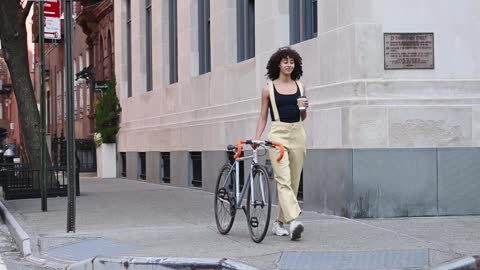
301, 103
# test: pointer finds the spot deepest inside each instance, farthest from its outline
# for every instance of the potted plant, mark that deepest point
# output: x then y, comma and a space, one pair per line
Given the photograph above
107, 125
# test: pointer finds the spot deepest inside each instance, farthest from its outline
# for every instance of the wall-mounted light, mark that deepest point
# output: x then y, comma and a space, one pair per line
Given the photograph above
86, 73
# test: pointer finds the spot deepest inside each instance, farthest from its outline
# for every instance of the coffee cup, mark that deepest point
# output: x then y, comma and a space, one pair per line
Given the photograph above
301, 103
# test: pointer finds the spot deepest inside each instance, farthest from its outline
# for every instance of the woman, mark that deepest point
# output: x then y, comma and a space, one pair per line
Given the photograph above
280, 97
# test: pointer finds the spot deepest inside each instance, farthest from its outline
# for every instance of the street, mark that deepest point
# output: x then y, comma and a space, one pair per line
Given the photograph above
10, 257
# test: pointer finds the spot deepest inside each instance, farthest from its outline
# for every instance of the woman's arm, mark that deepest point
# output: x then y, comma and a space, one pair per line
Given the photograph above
303, 114
262, 119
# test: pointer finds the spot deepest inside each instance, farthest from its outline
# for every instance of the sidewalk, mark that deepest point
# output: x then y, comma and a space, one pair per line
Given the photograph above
118, 217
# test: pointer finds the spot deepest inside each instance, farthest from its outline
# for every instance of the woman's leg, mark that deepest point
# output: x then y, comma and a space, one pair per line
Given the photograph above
287, 200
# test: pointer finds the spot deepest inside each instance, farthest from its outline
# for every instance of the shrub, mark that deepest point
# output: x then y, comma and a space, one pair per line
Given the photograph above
107, 117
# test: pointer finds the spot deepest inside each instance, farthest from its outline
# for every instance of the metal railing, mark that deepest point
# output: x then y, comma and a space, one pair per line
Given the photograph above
20, 181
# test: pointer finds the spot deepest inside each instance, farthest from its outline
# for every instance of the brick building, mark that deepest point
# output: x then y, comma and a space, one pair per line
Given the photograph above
92, 51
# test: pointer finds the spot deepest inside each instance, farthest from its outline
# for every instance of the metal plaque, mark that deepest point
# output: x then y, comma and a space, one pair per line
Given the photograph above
409, 50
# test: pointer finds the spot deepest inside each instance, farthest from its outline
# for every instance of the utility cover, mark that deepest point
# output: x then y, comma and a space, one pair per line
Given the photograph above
388, 259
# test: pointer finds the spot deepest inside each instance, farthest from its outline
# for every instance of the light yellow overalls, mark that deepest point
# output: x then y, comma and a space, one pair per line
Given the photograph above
287, 171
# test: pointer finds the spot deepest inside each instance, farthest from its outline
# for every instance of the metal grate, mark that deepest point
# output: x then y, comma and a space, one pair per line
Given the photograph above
196, 158
142, 165
165, 167
241, 166
300, 188
90, 248
123, 157
387, 259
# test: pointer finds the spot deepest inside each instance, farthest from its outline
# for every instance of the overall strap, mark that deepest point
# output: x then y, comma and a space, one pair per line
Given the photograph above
272, 101
300, 86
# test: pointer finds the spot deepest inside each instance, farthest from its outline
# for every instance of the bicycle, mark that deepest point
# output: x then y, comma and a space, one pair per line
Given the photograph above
229, 197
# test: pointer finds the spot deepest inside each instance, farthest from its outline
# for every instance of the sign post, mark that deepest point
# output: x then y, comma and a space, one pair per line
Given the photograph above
71, 164
43, 152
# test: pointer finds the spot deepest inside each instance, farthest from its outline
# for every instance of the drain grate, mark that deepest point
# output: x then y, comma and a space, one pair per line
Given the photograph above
389, 259
90, 248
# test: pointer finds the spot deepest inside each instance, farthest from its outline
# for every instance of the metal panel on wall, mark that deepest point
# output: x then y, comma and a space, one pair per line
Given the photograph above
327, 185
394, 182
458, 181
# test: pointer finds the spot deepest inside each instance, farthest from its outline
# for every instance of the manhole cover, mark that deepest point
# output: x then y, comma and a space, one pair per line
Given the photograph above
390, 259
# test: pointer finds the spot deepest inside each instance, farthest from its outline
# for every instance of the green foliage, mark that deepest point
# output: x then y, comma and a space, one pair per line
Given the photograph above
107, 118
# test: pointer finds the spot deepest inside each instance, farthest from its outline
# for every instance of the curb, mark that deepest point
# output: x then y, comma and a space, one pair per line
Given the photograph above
19, 235
466, 263
155, 263
22, 239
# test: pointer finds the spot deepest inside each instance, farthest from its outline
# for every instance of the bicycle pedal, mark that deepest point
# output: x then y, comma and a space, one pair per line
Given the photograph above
223, 194
258, 203
254, 222
232, 203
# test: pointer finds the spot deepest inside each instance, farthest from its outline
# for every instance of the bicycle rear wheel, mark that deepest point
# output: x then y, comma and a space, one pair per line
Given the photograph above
224, 205
259, 204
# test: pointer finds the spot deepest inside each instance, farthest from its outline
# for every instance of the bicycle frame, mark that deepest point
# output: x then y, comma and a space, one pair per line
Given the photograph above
236, 166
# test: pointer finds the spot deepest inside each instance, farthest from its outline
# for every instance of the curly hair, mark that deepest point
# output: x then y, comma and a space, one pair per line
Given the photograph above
273, 69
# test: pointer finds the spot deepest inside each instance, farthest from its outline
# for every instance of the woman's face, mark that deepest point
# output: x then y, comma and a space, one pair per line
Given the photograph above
287, 65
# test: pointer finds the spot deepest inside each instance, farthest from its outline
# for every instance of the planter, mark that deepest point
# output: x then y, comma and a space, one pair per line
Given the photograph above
107, 160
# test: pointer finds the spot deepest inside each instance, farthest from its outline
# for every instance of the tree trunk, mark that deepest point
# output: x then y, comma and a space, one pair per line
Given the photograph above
13, 36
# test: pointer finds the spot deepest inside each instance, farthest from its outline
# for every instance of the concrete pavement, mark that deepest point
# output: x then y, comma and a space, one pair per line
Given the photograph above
119, 217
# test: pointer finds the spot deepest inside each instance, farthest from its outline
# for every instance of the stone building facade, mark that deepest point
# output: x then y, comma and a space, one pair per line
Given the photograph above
381, 142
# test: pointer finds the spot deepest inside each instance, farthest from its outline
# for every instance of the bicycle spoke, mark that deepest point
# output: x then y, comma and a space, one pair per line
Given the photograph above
259, 205
224, 208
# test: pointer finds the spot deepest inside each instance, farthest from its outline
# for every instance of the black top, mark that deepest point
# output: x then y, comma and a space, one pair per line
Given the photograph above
287, 106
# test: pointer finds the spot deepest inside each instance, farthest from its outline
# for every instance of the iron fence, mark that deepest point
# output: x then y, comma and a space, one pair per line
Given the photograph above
86, 153
20, 181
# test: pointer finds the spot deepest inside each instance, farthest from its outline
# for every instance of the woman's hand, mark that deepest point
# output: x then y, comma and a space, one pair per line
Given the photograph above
305, 103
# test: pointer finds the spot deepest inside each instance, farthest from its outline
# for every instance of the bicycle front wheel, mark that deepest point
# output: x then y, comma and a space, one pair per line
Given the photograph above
224, 205
259, 204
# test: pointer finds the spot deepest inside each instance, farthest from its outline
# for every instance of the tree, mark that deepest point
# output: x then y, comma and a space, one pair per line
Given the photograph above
107, 117
13, 37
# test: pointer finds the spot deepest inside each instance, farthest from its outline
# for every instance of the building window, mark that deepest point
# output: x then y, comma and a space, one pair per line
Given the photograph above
204, 36
165, 167
75, 87
173, 40
123, 169
129, 49
196, 158
111, 71
148, 48
101, 62
300, 188
245, 29
303, 20
80, 86
49, 117
59, 94
142, 166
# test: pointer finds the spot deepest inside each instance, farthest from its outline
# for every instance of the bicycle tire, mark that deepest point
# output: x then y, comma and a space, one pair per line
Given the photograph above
258, 214
224, 204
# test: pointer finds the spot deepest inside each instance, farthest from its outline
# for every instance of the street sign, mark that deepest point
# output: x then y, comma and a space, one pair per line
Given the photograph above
52, 28
100, 86
52, 9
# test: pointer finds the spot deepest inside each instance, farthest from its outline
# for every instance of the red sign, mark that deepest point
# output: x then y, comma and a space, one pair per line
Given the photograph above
52, 9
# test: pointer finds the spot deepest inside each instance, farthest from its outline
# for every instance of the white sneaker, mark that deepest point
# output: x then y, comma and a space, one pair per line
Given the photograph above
278, 229
296, 229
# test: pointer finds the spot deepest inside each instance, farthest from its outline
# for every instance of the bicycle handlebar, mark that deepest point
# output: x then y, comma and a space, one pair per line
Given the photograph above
259, 142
